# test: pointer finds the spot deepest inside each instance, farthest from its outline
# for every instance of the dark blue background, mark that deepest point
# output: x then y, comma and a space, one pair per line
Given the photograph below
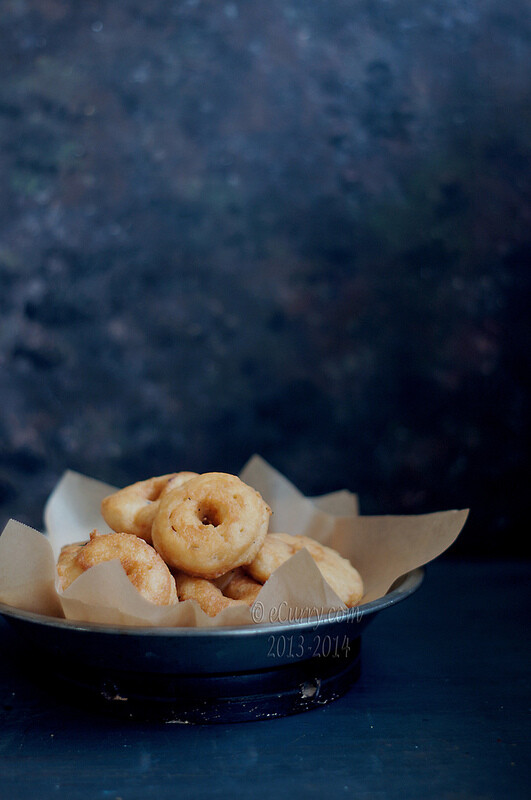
297, 228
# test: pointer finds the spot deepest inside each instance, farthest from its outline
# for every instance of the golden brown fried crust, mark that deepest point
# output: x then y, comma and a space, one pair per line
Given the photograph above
204, 592
242, 587
133, 508
142, 564
67, 567
338, 572
211, 525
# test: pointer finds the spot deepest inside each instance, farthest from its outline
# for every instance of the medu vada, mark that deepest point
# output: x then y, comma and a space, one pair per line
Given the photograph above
210, 525
241, 586
142, 564
240, 590
337, 571
133, 508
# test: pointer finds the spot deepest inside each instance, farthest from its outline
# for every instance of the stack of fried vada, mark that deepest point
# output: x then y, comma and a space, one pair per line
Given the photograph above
203, 537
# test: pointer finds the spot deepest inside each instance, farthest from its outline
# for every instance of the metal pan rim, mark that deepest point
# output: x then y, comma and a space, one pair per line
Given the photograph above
403, 587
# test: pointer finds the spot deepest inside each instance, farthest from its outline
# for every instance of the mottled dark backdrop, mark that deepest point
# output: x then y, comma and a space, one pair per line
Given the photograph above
294, 227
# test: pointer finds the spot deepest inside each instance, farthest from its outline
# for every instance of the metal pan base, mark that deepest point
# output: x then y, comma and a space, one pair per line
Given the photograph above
223, 698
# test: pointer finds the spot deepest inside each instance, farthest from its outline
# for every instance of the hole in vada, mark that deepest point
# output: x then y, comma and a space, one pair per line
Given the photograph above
209, 514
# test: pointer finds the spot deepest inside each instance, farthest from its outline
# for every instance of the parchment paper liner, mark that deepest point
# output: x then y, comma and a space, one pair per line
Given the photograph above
381, 548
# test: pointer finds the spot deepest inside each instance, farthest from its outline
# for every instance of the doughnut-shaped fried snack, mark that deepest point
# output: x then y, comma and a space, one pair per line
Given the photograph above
133, 508
68, 568
337, 571
211, 525
142, 564
209, 597
242, 587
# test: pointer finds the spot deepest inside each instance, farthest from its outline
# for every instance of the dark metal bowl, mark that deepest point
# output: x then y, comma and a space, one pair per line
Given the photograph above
202, 675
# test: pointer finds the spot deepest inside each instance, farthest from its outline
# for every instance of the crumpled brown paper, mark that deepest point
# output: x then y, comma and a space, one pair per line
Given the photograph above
381, 548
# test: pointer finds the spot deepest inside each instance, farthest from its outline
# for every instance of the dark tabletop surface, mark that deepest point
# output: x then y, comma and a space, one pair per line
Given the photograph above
441, 710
